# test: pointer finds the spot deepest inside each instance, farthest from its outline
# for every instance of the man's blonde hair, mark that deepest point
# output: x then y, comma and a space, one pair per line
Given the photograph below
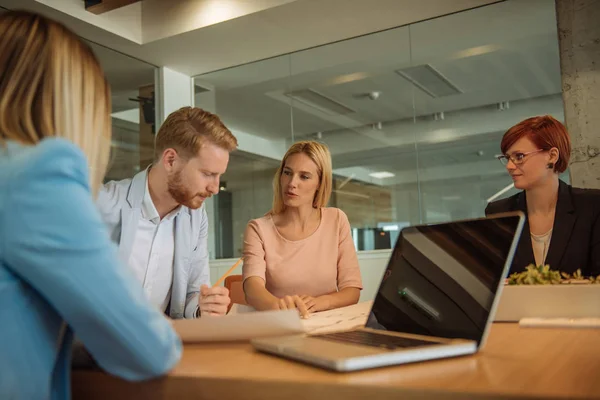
51, 84
188, 128
320, 155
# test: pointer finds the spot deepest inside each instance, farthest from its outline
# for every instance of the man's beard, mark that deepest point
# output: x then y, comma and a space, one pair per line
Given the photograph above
182, 195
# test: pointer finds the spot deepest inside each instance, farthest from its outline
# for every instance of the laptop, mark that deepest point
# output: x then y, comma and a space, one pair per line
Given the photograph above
436, 299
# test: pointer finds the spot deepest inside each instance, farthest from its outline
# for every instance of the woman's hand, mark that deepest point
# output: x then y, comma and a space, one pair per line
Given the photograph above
290, 303
314, 304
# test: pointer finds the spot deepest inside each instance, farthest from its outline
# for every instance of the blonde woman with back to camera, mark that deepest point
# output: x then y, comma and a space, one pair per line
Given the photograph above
301, 254
59, 273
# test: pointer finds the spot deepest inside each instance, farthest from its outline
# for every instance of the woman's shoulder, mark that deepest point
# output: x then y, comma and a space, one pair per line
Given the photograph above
261, 224
265, 219
48, 158
502, 205
334, 215
586, 199
46, 182
585, 193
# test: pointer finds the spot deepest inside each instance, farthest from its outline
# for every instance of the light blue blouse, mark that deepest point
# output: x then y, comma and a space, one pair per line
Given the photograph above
60, 276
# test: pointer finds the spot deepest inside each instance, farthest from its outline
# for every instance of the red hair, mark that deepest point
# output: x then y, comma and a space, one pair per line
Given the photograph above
545, 132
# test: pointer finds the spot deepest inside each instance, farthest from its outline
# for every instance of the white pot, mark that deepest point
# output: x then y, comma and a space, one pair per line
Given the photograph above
567, 300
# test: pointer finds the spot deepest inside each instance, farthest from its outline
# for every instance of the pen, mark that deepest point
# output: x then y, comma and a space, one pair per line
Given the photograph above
230, 270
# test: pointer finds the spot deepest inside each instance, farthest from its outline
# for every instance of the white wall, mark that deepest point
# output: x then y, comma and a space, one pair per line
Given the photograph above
372, 265
175, 90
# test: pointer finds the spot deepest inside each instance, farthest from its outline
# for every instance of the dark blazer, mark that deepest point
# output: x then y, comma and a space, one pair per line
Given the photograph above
575, 241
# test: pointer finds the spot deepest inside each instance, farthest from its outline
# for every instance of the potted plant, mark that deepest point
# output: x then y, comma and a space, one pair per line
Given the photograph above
543, 275
540, 292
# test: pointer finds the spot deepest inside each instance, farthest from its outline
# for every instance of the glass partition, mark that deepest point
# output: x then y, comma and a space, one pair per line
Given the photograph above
413, 117
133, 112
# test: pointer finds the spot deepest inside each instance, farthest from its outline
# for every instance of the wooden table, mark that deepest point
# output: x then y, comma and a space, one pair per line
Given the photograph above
516, 363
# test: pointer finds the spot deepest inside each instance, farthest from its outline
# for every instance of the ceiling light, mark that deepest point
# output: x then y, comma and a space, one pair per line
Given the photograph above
357, 76
382, 174
476, 51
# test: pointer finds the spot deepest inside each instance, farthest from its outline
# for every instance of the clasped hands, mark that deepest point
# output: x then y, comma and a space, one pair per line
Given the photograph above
304, 303
215, 300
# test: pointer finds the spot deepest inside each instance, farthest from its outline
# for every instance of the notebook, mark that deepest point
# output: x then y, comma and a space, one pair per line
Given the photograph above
436, 299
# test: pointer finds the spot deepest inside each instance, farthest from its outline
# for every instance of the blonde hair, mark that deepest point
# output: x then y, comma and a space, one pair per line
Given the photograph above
320, 155
51, 84
186, 129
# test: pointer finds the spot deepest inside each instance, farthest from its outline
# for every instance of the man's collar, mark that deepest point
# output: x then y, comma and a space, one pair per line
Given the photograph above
149, 210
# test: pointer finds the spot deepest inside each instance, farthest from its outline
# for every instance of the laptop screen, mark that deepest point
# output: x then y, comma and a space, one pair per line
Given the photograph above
441, 279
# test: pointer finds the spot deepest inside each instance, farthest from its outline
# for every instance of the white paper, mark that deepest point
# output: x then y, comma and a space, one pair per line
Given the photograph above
560, 323
240, 308
339, 319
243, 322
239, 327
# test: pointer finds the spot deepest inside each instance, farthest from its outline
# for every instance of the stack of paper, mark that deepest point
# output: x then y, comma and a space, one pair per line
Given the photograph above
339, 319
242, 326
245, 323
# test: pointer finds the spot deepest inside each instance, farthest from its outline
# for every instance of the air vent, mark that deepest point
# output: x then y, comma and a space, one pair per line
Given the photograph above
429, 80
316, 100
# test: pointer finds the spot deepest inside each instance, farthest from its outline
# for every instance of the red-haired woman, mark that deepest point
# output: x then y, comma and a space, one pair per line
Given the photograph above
563, 223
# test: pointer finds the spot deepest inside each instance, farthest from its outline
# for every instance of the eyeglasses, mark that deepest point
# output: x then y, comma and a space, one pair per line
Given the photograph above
516, 158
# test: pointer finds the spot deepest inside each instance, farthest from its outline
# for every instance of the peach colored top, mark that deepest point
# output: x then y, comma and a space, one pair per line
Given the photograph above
322, 263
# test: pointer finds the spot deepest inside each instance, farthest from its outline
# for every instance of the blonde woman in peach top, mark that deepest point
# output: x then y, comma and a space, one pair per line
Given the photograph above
301, 255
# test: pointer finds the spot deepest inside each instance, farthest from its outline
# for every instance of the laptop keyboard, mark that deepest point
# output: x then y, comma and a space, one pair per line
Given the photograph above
368, 338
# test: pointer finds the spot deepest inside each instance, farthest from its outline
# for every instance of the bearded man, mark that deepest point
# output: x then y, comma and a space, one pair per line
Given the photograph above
158, 220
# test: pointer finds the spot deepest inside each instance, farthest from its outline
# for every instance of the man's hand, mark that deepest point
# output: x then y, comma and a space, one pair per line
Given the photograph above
314, 304
213, 300
291, 302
